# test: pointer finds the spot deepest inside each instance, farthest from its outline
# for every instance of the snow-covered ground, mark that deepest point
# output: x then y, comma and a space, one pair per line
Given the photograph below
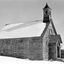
10, 60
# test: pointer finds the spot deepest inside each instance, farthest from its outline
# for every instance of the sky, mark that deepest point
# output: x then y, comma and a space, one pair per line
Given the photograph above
14, 11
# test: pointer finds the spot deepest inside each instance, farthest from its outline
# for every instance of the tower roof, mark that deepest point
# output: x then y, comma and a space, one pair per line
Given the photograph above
46, 6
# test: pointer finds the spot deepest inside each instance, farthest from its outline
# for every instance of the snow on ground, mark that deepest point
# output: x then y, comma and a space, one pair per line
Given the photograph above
10, 60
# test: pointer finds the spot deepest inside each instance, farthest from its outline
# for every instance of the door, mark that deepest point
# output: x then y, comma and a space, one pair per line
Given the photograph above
52, 51
58, 51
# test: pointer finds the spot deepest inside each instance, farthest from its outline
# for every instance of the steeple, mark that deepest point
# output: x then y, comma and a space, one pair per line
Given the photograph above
46, 6
46, 13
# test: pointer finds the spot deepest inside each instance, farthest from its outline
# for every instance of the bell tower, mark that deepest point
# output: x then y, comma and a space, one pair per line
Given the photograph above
46, 14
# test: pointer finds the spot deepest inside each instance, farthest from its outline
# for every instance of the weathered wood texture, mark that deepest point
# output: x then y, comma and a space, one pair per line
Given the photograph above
52, 51
22, 47
35, 47
14, 47
62, 53
49, 31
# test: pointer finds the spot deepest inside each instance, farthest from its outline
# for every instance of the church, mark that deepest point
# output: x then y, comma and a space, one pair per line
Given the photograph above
37, 40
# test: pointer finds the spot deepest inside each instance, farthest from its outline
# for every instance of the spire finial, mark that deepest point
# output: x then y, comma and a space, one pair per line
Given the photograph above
46, 6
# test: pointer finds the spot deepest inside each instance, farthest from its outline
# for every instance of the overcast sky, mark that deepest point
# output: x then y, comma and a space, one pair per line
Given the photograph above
12, 11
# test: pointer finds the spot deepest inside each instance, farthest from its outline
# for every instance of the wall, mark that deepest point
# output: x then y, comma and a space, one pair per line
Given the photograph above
35, 47
62, 54
14, 47
49, 31
22, 48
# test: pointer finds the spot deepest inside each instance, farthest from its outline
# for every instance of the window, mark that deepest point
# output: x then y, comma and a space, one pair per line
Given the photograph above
50, 31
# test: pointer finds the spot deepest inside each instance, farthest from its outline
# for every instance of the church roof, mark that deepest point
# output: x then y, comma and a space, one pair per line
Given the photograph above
33, 29
55, 38
8, 26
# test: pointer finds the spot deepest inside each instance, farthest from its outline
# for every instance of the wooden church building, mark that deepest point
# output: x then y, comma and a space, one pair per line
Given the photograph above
37, 40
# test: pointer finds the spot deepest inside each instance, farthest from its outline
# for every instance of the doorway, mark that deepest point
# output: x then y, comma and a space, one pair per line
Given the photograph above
58, 51
52, 51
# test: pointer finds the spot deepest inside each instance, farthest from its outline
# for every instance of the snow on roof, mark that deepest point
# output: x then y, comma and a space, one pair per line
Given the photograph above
11, 26
30, 30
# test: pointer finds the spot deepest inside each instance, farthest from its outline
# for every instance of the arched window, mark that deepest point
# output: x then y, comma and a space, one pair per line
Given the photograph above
50, 31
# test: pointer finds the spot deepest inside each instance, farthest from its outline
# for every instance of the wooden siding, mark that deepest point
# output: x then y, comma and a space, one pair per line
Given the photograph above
35, 47
30, 48
62, 54
14, 47
46, 40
